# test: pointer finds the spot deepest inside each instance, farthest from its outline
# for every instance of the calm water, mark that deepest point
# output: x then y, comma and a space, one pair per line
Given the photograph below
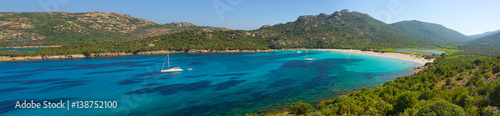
219, 84
421, 50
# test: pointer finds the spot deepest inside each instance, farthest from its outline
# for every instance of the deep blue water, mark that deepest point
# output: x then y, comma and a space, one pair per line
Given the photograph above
219, 84
421, 50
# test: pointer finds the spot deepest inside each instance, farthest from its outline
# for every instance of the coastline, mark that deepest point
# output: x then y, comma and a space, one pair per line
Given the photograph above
399, 56
71, 56
32, 46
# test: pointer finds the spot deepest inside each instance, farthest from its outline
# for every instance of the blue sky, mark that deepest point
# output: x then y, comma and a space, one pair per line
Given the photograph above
468, 17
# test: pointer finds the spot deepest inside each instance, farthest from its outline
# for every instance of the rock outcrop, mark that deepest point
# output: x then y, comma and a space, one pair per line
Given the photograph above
182, 24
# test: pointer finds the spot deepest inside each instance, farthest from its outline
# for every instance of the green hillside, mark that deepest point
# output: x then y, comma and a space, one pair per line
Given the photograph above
60, 28
430, 32
342, 29
485, 46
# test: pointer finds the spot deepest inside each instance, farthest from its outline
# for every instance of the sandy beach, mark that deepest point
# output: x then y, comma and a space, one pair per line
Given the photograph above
398, 56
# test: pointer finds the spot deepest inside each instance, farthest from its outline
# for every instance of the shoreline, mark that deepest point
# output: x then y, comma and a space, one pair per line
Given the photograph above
73, 56
398, 56
32, 46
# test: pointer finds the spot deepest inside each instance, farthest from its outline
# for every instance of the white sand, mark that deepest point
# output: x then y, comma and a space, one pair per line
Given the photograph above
399, 56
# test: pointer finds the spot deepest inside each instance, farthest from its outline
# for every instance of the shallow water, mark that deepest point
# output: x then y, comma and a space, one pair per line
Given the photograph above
219, 84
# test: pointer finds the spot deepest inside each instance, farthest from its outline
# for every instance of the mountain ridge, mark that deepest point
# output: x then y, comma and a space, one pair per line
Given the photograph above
430, 31
341, 29
484, 34
346, 24
484, 46
59, 28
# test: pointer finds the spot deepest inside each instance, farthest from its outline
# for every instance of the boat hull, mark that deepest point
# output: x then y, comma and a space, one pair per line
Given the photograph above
171, 70
309, 59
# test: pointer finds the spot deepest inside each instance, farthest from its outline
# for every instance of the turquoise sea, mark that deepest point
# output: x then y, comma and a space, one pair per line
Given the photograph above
218, 84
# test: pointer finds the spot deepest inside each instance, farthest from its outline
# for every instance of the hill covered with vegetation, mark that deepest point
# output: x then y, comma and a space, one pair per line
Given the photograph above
61, 28
430, 32
485, 46
484, 34
342, 29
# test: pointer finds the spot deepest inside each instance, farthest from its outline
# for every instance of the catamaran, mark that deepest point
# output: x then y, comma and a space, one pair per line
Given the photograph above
170, 69
307, 57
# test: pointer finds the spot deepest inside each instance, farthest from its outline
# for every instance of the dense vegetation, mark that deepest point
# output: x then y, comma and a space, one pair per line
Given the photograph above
454, 85
60, 28
430, 32
355, 30
485, 46
182, 41
484, 34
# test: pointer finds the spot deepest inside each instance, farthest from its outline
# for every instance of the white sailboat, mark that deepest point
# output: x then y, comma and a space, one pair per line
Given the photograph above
170, 69
307, 57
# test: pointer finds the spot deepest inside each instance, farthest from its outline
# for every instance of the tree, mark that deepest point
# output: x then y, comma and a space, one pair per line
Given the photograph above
495, 96
300, 107
496, 69
405, 100
441, 108
443, 55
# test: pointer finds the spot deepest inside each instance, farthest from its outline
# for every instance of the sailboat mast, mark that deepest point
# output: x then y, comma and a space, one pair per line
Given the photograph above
164, 62
168, 59
307, 55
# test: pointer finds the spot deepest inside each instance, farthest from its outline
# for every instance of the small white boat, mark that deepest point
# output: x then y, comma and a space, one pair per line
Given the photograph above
170, 69
299, 52
307, 57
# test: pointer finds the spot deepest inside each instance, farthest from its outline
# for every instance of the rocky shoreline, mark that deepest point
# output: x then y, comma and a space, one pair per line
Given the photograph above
31, 46
27, 58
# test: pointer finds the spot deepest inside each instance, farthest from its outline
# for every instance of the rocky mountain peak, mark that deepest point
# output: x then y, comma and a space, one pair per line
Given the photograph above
182, 24
345, 10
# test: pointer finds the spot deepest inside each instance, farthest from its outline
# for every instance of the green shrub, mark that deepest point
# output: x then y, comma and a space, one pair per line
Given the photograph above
405, 100
495, 96
441, 108
300, 107
488, 75
448, 81
460, 78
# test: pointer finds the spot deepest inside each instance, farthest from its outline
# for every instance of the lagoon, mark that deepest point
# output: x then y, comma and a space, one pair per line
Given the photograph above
219, 84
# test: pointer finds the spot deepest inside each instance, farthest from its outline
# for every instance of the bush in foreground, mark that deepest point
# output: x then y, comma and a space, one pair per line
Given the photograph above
300, 107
